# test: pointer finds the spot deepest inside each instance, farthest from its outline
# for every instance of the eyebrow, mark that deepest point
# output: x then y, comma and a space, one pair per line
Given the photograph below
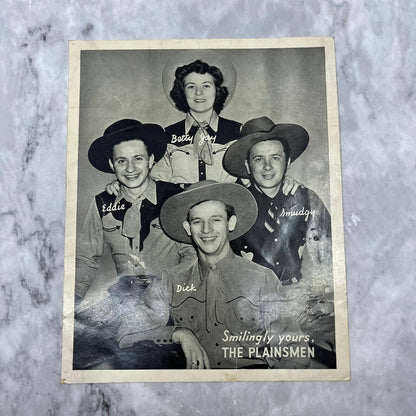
212, 216
126, 157
261, 154
203, 82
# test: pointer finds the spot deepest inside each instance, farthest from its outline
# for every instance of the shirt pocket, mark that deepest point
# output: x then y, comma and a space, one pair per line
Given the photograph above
110, 224
220, 148
112, 233
219, 151
243, 315
189, 314
181, 157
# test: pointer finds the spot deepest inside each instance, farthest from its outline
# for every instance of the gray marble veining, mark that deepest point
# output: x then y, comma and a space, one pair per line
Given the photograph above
376, 64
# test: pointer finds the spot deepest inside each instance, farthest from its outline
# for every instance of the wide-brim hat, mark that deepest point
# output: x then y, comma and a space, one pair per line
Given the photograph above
101, 149
210, 57
175, 210
258, 130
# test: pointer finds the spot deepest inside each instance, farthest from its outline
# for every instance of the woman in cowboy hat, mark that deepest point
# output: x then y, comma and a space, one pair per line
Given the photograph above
199, 84
196, 144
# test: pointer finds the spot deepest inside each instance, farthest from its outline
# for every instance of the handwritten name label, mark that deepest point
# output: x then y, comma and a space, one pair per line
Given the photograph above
185, 288
113, 207
188, 138
301, 212
181, 139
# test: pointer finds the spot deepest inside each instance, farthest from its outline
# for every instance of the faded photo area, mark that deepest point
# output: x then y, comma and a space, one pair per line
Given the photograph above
203, 211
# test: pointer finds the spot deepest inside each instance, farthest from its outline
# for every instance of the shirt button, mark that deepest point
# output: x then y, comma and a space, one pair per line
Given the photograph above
213, 267
275, 239
216, 344
136, 247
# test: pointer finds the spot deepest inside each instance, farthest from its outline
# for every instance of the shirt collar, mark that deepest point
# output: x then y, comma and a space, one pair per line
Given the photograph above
258, 191
149, 193
223, 265
189, 121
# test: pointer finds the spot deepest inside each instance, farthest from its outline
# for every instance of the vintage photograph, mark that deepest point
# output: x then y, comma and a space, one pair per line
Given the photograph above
204, 234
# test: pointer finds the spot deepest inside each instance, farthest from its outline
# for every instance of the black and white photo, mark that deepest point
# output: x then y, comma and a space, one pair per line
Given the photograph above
204, 234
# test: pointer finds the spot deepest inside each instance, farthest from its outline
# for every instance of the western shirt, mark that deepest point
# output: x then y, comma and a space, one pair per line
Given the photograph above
251, 307
147, 253
298, 217
180, 164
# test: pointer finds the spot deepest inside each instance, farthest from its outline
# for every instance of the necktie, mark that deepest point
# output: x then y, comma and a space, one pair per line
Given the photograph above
202, 142
271, 220
215, 304
132, 221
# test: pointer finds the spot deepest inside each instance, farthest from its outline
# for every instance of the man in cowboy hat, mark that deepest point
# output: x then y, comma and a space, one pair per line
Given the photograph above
285, 224
128, 224
223, 309
263, 154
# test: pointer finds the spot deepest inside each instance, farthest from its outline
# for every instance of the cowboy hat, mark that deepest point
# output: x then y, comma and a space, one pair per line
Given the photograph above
152, 135
175, 210
258, 130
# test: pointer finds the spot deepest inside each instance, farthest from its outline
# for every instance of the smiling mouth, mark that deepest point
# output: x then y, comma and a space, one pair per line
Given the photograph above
208, 239
200, 100
268, 176
132, 177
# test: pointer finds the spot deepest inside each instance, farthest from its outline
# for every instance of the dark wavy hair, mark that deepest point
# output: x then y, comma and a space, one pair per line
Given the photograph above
177, 93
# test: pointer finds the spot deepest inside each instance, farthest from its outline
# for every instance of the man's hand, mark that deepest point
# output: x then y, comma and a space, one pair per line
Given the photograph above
113, 188
196, 357
290, 185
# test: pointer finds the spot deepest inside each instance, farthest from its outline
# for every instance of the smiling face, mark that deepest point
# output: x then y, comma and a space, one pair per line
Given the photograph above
131, 164
267, 165
209, 228
200, 92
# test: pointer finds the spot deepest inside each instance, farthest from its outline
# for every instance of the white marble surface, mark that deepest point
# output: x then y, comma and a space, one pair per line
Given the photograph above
376, 63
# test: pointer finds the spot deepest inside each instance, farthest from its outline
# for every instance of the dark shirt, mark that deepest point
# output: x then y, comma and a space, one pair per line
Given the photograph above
297, 217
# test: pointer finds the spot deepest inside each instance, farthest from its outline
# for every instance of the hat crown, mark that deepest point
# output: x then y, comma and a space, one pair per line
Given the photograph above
261, 124
121, 125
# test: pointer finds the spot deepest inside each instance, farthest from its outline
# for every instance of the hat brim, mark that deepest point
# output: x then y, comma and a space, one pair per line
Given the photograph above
212, 58
152, 136
234, 159
175, 210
